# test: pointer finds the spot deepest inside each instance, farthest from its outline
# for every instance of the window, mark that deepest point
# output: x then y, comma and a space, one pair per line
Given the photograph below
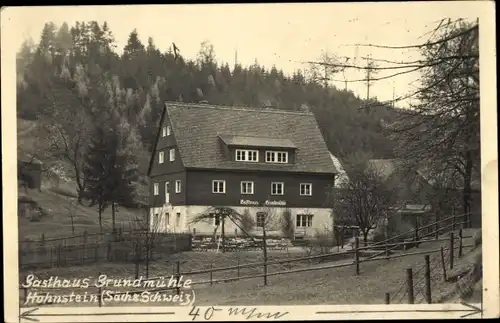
305, 189
304, 220
216, 218
277, 188
164, 132
261, 219
177, 186
246, 187
280, 157
218, 186
161, 157
247, 155
156, 189
172, 154
168, 130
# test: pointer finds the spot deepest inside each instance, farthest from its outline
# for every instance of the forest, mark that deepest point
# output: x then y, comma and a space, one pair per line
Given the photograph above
69, 61
87, 98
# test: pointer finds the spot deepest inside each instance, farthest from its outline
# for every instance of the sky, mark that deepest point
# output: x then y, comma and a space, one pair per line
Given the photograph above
284, 35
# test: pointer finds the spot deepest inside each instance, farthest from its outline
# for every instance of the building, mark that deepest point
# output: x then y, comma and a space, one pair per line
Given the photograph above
252, 160
29, 171
425, 194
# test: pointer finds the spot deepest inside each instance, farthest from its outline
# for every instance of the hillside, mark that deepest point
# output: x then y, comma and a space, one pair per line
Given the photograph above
55, 220
57, 197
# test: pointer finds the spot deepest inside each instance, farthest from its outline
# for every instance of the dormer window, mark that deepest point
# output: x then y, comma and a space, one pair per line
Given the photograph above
247, 155
165, 131
161, 157
280, 157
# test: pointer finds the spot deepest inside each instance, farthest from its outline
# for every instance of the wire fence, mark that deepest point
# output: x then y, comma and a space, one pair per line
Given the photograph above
418, 288
352, 258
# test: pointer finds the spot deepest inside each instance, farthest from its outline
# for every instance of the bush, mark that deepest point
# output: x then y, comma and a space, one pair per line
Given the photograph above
287, 224
247, 222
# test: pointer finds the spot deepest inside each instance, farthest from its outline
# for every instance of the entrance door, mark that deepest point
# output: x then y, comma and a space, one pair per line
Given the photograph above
167, 192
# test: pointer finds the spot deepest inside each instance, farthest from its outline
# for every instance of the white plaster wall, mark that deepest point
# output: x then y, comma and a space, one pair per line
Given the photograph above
322, 219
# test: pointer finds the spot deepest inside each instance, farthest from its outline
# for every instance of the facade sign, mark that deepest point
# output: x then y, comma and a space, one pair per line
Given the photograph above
266, 203
275, 203
249, 202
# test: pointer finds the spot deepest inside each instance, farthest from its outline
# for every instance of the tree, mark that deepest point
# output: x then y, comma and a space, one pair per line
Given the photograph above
268, 219
124, 169
145, 233
287, 224
366, 198
97, 170
72, 207
442, 131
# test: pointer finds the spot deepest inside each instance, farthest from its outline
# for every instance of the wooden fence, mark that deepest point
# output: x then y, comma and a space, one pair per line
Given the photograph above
434, 271
77, 239
353, 258
123, 248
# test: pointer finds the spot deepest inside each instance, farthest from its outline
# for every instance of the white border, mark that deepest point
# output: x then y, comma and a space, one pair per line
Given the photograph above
13, 16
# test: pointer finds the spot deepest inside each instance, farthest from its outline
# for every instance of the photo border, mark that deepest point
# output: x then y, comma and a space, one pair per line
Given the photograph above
11, 17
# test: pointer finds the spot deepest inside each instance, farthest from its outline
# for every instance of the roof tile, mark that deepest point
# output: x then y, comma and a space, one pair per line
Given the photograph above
197, 129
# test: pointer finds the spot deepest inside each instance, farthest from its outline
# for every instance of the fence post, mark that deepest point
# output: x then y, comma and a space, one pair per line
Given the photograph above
356, 255
108, 251
59, 255
100, 292
436, 233
428, 279
178, 277
387, 298
452, 249
453, 221
238, 267
409, 285
386, 250
42, 239
25, 294
265, 270
460, 243
416, 232
443, 264
211, 274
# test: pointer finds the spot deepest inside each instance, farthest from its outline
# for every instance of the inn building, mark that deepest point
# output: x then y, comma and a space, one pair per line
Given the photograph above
252, 160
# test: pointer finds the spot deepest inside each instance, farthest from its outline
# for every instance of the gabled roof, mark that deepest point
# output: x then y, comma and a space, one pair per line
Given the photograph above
342, 177
199, 128
444, 179
384, 167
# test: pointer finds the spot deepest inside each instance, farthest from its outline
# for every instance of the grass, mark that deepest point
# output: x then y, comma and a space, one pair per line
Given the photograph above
311, 287
57, 222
